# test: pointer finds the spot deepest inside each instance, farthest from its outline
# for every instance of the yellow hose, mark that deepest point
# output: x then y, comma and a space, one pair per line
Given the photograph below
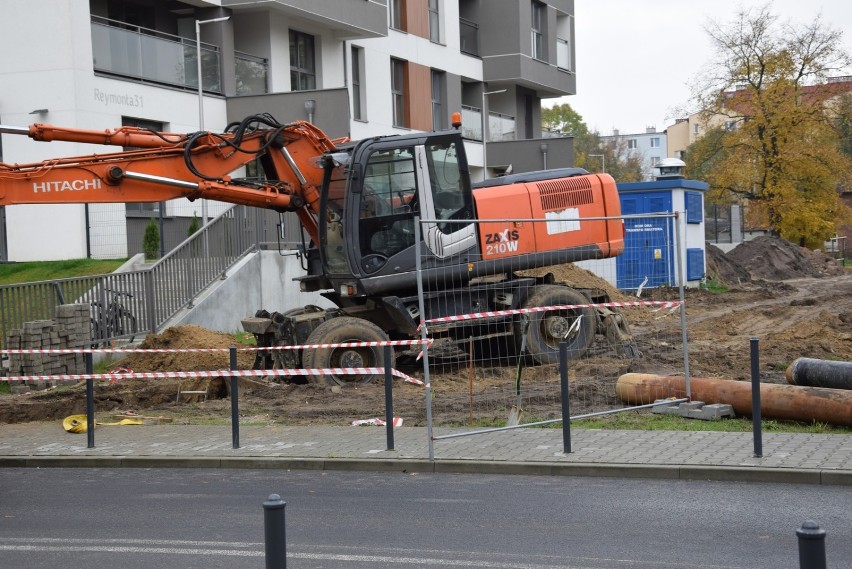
78, 423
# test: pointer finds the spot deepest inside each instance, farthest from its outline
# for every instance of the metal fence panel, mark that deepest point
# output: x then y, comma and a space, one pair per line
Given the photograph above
494, 356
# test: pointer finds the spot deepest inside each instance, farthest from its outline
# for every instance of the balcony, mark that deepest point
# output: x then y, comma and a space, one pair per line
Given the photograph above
151, 56
148, 55
500, 127
563, 55
252, 73
469, 37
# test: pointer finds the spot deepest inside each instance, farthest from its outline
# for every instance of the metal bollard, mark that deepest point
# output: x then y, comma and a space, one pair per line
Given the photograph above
235, 399
756, 425
563, 387
90, 401
388, 397
274, 532
811, 546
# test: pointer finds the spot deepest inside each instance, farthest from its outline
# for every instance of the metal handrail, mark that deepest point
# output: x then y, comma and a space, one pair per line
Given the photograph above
150, 296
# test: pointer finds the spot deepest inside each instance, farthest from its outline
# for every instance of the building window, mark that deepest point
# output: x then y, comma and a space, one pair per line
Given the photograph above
538, 30
357, 99
146, 209
696, 129
395, 9
434, 21
438, 82
655, 160
631, 144
655, 142
398, 92
302, 70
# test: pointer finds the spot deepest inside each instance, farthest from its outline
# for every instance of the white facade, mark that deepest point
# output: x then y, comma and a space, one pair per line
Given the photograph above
56, 66
54, 72
649, 146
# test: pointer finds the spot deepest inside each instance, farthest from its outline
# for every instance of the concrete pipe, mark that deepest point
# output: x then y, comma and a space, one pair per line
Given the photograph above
777, 401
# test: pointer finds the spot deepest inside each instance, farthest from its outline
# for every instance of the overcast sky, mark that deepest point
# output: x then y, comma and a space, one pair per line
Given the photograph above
636, 58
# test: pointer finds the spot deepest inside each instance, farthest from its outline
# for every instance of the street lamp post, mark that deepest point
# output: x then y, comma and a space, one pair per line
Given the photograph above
603, 162
198, 24
485, 131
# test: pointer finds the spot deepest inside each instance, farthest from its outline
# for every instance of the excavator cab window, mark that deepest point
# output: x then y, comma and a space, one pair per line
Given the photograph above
331, 228
450, 198
387, 207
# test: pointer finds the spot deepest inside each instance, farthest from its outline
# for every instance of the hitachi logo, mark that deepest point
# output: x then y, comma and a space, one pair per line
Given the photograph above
66, 186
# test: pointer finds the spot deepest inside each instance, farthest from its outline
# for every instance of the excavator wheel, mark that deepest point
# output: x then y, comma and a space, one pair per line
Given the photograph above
345, 329
547, 329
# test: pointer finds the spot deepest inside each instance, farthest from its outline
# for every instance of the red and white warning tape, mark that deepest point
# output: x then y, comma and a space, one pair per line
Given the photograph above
397, 422
207, 350
427, 342
663, 304
215, 373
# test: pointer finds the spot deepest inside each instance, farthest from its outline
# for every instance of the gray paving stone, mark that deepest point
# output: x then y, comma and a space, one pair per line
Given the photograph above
825, 459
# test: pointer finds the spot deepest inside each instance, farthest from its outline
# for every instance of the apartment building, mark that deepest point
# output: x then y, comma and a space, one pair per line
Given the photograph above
355, 68
649, 146
687, 130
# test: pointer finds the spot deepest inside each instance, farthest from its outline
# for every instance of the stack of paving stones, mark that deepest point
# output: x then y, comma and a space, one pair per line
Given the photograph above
70, 329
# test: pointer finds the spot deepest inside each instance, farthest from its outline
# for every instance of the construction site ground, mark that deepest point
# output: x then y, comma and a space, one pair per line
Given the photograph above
798, 303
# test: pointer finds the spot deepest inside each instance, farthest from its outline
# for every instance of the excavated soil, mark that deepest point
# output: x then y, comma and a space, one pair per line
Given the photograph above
798, 303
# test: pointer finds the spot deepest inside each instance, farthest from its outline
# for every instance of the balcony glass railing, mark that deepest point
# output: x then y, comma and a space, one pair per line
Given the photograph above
469, 36
563, 54
251, 74
500, 127
149, 55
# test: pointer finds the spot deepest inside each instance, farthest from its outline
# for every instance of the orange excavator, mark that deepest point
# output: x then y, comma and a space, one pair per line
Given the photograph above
358, 202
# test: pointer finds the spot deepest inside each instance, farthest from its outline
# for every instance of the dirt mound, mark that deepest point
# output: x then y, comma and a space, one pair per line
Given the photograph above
577, 277
185, 338
776, 259
724, 269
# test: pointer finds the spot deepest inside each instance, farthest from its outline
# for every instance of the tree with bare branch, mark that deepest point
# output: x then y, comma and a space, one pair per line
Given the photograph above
769, 105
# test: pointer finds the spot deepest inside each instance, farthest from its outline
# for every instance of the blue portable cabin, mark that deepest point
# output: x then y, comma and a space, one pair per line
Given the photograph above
649, 258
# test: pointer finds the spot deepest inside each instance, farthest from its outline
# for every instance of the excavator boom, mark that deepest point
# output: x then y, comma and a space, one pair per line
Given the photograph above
163, 166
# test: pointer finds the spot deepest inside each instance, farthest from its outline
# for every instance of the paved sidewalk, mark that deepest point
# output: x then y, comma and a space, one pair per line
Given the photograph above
800, 458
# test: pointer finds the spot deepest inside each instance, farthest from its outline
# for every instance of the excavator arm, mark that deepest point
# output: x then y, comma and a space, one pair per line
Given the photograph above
165, 166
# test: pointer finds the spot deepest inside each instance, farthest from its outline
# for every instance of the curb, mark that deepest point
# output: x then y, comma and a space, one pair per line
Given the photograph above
631, 471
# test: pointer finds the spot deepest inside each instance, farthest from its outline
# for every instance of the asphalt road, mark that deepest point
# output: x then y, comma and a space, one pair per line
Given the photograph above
105, 518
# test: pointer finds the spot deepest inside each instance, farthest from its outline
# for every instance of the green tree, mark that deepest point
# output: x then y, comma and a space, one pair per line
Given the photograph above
620, 163
194, 225
151, 240
772, 140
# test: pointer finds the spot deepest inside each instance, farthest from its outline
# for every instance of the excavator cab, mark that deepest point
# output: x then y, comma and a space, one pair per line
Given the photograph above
372, 193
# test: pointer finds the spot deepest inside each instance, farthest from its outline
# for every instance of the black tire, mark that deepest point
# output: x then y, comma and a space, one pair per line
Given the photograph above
345, 329
546, 329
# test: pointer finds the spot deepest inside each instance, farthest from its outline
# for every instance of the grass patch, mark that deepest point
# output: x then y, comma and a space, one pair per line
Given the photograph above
658, 422
714, 286
244, 338
16, 273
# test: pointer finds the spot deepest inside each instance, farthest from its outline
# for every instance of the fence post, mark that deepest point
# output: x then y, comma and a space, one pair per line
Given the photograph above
235, 400
563, 385
755, 399
150, 301
275, 532
388, 396
811, 546
90, 401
